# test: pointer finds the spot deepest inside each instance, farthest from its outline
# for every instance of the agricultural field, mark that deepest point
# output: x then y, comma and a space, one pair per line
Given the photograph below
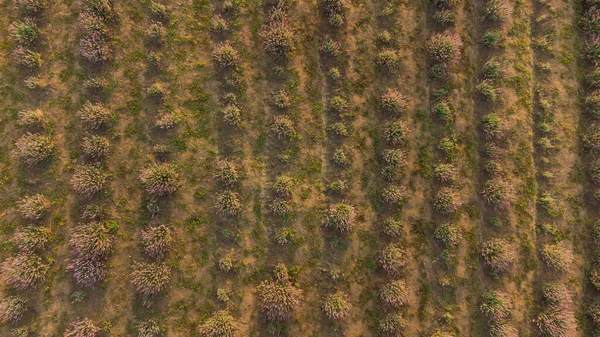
220, 168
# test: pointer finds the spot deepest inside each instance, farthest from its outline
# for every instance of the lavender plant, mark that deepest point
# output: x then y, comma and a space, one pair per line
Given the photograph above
87, 270
336, 306
23, 271
92, 239
221, 324
82, 328
278, 298
340, 217
89, 179
392, 259
394, 293
33, 149
157, 241
150, 278
32, 207
160, 179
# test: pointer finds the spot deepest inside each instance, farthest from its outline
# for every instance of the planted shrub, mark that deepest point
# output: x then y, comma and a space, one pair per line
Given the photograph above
95, 147
282, 99
340, 217
440, 71
87, 270
336, 306
393, 102
443, 111
591, 139
496, 306
31, 239
221, 324
156, 32
333, 7
394, 293
227, 173
557, 256
89, 179
218, 24
498, 193
330, 47
595, 278
445, 201
95, 47
557, 322
334, 74
23, 271
167, 121
493, 127
594, 312
445, 172
226, 56
340, 157
232, 114
392, 259
150, 278
396, 132
31, 7
338, 104
94, 115
160, 179
278, 39
385, 37
448, 234
491, 38
32, 207
592, 103
91, 239
228, 203
394, 194
338, 186
444, 47
495, 10
498, 255
387, 59
393, 227
157, 241
283, 187
444, 4
27, 57
149, 328
23, 32
12, 309
280, 207
82, 328
503, 329
592, 49
32, 118
159, 10
492, 69
101, 8
395, 158
486, 90
590, 20
90, 23
33, 149
278, 298
226, 264
556, 295
444, 17
283, 128
392, 323
593, 77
